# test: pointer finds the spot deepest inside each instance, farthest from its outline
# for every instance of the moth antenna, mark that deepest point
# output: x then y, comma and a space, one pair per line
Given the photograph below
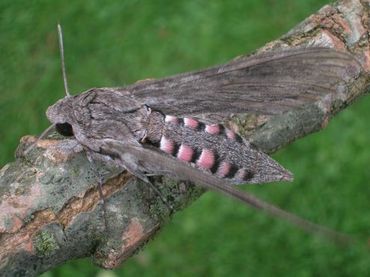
61, 48
43, 134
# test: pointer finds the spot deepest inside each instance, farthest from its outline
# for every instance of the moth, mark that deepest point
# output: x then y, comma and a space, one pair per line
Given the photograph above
165, 126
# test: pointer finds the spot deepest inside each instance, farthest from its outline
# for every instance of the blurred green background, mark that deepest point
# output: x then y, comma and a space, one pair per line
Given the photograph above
113, 43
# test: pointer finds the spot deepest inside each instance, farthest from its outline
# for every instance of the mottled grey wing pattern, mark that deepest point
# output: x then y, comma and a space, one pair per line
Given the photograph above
268, 83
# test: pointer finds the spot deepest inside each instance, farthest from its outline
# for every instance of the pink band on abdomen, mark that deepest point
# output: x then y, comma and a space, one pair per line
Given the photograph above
213, 129
191, 122
167, 145
206, 159
230, 134
224, 169
185, 153
171, 119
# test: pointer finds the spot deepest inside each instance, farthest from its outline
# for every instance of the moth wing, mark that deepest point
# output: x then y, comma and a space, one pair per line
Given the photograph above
153, 161
156, 162
268, 83
150, 160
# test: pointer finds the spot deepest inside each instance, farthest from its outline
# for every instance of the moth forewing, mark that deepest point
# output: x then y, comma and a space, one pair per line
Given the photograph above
268, 83
154, 161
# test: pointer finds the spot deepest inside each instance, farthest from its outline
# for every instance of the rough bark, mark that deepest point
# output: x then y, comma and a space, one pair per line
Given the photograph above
50, 209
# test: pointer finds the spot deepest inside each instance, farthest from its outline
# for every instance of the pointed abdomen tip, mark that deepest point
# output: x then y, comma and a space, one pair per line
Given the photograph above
287, 176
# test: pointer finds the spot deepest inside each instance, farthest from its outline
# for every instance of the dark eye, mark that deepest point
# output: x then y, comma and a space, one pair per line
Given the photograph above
65, 129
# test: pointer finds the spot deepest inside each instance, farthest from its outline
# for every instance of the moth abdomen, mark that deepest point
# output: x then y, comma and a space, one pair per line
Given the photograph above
205, 146
205, 159
214, 149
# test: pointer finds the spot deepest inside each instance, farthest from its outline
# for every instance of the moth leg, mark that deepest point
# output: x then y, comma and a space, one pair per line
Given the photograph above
99, 178
164, 200
132, 165
144, 178
153, 187
158, 173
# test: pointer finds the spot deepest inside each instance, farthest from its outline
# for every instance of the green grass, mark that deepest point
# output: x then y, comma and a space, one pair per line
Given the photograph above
118, 42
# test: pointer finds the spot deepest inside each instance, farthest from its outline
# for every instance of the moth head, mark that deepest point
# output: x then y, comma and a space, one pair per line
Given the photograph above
61, 115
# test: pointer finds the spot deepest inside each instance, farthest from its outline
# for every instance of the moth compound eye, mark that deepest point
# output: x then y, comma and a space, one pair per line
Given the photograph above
65, 129
147, 108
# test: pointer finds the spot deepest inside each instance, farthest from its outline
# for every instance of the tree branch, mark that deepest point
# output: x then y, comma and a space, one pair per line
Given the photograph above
50, 209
